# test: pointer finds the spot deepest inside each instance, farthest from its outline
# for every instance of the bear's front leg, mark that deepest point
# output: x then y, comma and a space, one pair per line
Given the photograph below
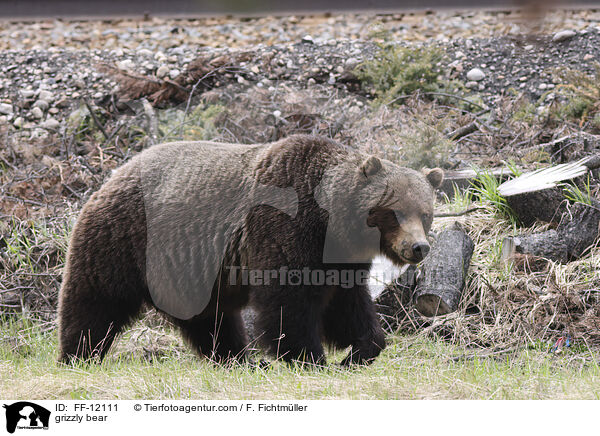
289, 322
350, 319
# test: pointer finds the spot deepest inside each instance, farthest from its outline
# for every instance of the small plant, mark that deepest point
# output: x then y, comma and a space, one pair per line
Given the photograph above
581, 92
485, 188
399, 71
198, 124
461, 198
575, 194
424, 146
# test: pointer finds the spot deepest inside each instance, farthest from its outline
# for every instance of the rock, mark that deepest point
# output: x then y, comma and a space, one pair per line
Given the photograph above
174, 73
6, 109
144, 52
42, 104
351, 63
471, 85
27, 93
37, 113
45, 95
51, 123
475, 75
563, 35
18, 122
162, 71
126, 64
307, 39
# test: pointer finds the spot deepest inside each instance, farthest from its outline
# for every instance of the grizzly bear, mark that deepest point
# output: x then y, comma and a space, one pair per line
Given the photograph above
200, 230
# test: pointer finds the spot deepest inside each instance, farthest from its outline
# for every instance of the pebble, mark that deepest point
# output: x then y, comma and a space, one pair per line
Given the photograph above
45, 95
51, 123
162, 71
563, 35
277, 113
308, 39
6, 109
475, 75
351, 63
126, 64
174, 73
18, 122
27, 93
37, 113
471, 85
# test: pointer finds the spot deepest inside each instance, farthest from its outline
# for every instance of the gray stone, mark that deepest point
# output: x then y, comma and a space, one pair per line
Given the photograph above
563, 35
45, 95
42, 104
6, 109
51, 123
126, 64
162, 71
27, 93
475, 75
37, 113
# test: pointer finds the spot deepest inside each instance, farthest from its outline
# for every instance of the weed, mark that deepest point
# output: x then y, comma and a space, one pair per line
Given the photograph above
198, 124
400, 71
581, 92
424, 146
485, 188
576, 194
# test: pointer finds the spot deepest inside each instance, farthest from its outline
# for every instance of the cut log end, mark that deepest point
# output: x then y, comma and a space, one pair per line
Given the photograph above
432, 305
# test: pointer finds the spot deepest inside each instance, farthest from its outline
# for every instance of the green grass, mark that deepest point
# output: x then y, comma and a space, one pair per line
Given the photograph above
576, 194
485, 190
412, 367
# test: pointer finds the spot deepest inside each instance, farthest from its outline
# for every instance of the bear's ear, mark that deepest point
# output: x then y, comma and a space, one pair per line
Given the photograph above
435, 176
370, 166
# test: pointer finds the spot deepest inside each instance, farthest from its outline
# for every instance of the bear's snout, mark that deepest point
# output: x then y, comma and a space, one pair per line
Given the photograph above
420, 250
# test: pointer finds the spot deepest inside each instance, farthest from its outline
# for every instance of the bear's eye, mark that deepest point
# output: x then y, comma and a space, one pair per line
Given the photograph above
399, 216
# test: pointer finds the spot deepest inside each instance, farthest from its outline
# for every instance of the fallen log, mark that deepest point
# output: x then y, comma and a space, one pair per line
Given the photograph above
578, 230
443, 273
537, 195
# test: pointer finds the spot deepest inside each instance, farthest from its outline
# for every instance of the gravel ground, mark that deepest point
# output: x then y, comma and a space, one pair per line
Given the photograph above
47, 67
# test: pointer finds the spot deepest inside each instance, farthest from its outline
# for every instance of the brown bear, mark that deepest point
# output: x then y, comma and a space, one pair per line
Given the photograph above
199, 230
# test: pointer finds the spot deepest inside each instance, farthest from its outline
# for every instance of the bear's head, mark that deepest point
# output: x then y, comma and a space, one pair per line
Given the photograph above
402, 207
377, 207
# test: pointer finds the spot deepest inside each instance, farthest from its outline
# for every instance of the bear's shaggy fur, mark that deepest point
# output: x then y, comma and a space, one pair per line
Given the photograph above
340, 194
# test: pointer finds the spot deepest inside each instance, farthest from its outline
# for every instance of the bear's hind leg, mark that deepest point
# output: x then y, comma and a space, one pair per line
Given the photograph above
220, 338
89, 326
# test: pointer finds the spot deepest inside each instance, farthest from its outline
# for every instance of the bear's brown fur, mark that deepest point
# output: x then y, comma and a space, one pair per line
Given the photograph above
153, 225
